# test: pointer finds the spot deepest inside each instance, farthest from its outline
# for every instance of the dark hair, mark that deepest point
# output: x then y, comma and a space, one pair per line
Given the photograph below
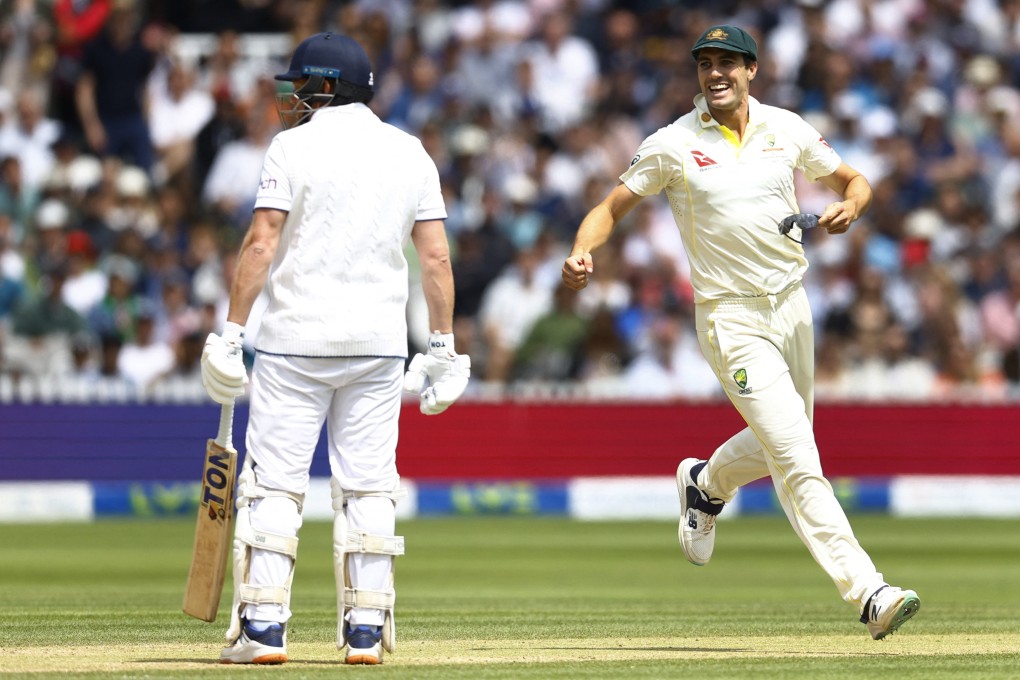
748, 59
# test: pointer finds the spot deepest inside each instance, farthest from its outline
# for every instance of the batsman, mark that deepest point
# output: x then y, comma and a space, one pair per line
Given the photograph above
727, 168
341, 195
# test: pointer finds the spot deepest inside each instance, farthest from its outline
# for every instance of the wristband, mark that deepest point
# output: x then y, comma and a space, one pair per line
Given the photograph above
233, 332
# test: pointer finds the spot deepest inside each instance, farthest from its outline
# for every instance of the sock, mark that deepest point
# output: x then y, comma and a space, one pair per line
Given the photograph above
867, 605
696, 470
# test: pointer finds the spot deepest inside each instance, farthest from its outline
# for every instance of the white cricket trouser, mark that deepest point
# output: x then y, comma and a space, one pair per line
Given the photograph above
762, 350
359, 400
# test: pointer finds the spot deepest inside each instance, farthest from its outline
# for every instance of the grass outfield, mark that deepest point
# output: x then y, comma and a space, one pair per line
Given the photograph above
530, 598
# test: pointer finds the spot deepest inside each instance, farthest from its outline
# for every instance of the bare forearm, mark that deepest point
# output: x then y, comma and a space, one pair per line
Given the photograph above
858, 194
437, 284
429, 237
85, 100
253, 262
249, 278
595, 230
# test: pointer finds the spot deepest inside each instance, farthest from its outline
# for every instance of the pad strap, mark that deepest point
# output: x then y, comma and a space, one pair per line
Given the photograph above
264, 594
286, 545
360, 542
372, 599
394, 495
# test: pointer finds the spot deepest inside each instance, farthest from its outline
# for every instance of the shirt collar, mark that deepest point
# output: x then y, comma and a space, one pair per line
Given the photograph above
354, 109
754, 113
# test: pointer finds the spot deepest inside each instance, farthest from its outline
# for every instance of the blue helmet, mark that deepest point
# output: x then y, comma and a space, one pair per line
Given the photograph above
321, 57
333, 56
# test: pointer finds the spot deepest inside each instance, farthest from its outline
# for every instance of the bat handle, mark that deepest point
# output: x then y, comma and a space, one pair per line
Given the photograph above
225, 435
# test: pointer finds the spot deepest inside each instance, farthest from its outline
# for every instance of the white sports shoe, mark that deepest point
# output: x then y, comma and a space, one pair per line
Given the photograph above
888, 609
263, 647
697, 516
364, 645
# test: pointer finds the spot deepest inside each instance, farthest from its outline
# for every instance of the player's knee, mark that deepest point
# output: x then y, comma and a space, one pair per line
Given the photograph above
276, 514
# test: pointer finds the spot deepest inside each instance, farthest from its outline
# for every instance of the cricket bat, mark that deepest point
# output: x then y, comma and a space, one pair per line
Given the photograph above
215, 523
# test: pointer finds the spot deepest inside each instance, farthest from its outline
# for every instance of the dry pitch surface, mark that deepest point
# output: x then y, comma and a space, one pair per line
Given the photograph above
137, 660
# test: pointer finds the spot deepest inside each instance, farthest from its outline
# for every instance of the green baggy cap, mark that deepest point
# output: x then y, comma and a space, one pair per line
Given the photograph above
726, 37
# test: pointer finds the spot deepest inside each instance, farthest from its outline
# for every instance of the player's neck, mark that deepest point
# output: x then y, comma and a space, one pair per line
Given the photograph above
735, 120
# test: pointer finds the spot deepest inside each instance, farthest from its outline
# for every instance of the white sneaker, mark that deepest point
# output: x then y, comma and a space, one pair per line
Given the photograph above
263, 647
697, 516
364, 645
888, 609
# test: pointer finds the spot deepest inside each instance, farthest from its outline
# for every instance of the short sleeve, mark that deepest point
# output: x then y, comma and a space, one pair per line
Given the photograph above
817, 158
651, 169
431, 205
274, 189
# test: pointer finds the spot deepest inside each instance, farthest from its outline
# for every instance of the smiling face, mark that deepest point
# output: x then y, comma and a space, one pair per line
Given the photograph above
725, 81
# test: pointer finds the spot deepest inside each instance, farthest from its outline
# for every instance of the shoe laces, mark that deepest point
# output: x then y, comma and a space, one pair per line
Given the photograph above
707, 523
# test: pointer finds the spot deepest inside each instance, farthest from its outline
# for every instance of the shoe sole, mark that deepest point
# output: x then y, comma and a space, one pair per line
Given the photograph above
681, 485
264, 660
904, 612
362, 660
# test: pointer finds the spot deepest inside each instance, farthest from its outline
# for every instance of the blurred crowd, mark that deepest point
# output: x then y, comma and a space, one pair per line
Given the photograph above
132, 135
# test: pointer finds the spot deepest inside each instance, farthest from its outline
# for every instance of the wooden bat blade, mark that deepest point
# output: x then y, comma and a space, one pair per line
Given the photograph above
213, 529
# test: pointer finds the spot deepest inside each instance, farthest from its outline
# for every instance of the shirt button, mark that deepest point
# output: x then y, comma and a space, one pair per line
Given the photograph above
705, 117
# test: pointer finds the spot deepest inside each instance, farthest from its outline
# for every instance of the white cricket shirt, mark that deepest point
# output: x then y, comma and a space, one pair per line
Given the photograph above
353, 187
728, 197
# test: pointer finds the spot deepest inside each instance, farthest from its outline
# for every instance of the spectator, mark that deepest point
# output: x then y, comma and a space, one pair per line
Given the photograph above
29, 135
565, 68
229, 75
510, 307
177, 112
41, 330
110, 93
420, 99
550, 351
86, 284
603, 356
144, 359
115, 315
17, 200
50, 235
12, 271
887, 371
235, 174
671, 365
76, 22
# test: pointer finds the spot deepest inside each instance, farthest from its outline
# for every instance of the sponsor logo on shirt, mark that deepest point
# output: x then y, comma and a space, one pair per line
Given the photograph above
267, 183
702, 160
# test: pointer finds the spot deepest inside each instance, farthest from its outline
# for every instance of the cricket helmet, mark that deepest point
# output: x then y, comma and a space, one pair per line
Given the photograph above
321, 57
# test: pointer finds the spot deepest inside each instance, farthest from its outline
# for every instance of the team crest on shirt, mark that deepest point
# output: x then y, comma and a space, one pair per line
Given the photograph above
770, 141
740, 377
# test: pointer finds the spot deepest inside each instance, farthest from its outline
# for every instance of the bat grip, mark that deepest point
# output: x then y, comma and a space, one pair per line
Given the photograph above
225, 435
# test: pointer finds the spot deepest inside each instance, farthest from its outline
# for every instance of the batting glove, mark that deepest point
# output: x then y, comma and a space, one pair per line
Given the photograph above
223, 373
446, 371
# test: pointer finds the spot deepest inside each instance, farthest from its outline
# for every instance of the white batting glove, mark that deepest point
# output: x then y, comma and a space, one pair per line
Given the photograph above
223, 373
446, 371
